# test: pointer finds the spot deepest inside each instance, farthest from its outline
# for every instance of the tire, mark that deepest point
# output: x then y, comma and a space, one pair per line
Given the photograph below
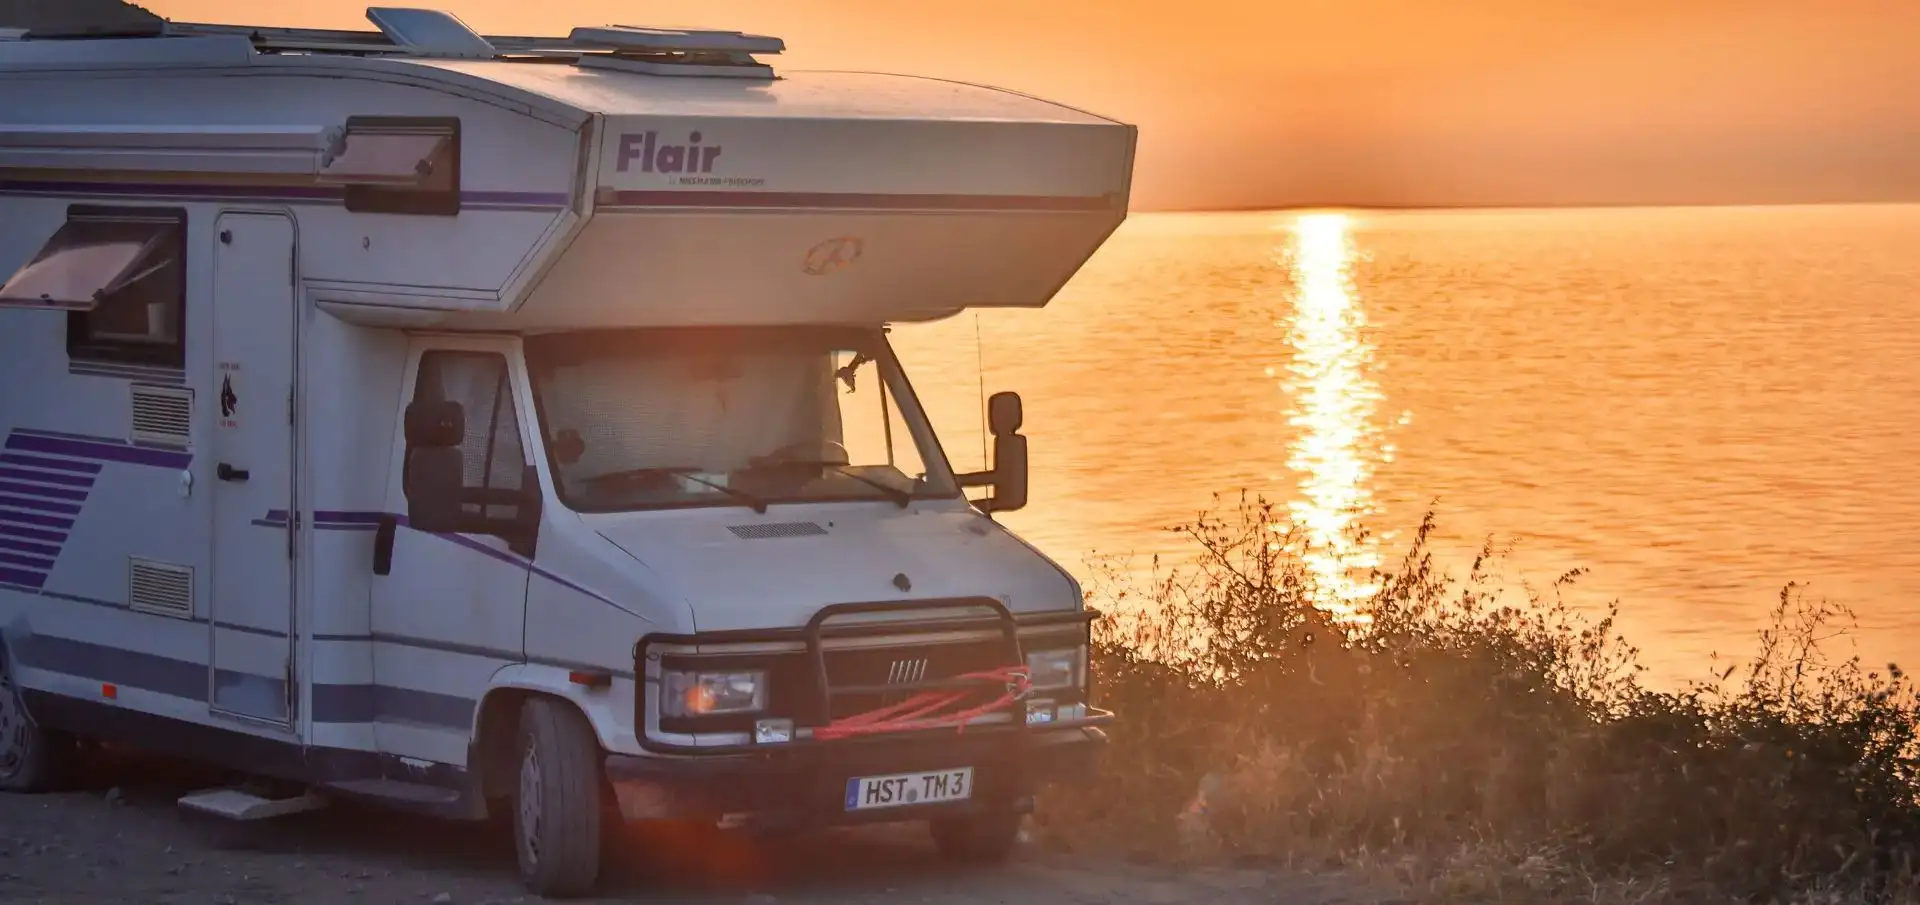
556, 813
32, 759
980, 839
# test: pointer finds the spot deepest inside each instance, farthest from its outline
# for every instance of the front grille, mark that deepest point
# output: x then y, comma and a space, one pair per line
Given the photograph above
899, 667
879, 675
843, 670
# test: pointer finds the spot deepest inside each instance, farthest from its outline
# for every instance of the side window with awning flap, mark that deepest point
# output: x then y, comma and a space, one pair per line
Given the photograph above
120, 274
397, 165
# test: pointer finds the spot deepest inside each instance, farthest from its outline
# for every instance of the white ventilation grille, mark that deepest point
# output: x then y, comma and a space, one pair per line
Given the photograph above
159, 588
162, 415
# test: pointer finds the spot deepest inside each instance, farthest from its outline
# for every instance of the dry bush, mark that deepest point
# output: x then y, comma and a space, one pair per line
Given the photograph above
1483, 749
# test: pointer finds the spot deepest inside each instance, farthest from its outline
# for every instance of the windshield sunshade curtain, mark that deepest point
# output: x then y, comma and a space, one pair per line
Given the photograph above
88, 260
391, 156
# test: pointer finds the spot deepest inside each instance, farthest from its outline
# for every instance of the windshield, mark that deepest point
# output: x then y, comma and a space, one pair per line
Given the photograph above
689, 417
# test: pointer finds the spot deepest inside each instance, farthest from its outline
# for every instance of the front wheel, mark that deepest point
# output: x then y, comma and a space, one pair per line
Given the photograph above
32, 759
980, 839
556, 815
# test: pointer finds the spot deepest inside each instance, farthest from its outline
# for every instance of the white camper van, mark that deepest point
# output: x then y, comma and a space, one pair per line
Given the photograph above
509, 425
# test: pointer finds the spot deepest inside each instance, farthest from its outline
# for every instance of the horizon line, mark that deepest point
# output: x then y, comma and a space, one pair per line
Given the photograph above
1509, 206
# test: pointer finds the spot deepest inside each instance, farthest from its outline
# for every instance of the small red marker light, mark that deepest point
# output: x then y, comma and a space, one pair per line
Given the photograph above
590, 679
110, 692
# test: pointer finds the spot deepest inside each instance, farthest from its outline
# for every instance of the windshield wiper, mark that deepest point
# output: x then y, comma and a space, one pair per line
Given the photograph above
900, 497
692, 474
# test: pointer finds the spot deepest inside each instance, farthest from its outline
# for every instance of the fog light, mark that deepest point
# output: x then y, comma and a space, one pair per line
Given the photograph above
1039, 710
772, 732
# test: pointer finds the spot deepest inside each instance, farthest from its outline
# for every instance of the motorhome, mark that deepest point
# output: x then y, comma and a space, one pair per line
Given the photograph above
495, 425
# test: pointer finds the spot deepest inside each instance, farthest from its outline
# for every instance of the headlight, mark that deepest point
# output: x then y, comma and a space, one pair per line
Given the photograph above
1054, 668
712, 693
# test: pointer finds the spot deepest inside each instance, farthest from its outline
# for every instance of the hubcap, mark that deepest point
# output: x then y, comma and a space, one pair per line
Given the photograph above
13, 728
530, 805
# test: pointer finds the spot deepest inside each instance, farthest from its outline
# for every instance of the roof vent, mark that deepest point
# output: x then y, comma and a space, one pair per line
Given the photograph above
81, 19
430, 33
674, 51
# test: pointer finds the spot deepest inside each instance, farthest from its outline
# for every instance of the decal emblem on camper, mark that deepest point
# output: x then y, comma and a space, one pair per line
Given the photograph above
229, 400
832, 254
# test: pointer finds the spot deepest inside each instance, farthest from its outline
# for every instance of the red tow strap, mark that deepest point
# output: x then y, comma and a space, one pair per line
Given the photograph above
918, 712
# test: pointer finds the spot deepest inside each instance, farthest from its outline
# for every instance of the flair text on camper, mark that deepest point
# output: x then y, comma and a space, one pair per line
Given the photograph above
654, 157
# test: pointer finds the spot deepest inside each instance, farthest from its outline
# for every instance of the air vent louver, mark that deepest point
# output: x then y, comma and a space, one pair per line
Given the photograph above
776, 529
162, 415
159, 588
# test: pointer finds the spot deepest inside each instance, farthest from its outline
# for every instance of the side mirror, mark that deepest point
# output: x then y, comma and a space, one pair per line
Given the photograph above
434, 467
1005, 414
1004, 417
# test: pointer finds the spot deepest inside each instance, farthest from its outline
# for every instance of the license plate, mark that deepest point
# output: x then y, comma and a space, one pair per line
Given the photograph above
867, 793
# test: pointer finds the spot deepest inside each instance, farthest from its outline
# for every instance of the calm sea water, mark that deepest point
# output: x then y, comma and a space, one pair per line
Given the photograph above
1696, 405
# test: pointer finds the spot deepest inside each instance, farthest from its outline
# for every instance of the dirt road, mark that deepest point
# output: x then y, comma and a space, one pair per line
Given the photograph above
124, 840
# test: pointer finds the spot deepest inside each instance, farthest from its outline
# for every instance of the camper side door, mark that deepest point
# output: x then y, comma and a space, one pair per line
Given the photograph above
450, 592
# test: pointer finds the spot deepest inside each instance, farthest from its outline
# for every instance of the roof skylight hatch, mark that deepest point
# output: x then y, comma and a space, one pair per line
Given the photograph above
674, 51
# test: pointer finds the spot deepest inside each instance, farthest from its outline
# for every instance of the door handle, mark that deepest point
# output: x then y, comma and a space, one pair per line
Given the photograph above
229, 473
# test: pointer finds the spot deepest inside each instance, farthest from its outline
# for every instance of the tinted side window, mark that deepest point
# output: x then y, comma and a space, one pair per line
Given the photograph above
120, 273
495, 460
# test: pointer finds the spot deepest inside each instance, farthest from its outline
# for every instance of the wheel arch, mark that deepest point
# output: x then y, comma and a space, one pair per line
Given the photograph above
497, 719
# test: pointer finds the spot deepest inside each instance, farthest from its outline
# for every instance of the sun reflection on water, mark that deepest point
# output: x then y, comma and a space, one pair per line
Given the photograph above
1333, 405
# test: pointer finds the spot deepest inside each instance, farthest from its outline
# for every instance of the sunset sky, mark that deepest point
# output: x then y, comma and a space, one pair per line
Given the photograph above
1251, 103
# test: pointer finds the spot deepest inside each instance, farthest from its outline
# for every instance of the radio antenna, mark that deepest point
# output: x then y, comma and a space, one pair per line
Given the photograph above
980, 370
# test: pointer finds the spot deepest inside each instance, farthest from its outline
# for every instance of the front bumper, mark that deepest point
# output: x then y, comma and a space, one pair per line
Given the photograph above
806, 785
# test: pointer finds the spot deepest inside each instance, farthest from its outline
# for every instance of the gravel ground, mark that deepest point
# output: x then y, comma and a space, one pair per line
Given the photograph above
123, 840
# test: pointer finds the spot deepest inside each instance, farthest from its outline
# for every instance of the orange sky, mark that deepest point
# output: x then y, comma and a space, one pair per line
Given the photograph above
1246, 103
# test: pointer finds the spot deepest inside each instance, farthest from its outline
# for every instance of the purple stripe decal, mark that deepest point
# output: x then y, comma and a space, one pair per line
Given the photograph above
474, 544
556, 579
325, 520
70, 436
19, 502
647, 199
43, 492
8, 543
324, 517
321, 194
56, 464
99, 448
32, 562
535, 199
43, 477
8, 516
352, 520
40, 534
866, 201
504, 556
33, 580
